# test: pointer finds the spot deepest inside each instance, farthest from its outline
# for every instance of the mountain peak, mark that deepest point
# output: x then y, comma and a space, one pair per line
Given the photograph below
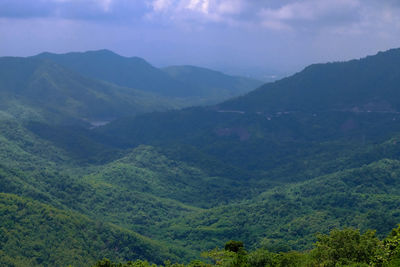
105, 52
330, 86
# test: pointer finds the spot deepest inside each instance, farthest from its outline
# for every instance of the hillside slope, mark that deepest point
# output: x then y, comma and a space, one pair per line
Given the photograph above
37, 89
35, 234
131, 72
212, 83
247, 169
196, 85
259, 132
367, 84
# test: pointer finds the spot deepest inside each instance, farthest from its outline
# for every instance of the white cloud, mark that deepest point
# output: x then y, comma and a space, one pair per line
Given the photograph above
202, 11
105, 4
306, 11
198, 5
160, 5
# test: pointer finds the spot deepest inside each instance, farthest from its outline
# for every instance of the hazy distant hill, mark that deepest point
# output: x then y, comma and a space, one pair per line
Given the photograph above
34, 88
212, 83
277, 126
371, 83
134, 72
131, 72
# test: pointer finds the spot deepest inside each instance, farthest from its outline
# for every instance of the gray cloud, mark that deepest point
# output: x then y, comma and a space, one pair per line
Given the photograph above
73, 9
283, 34
267, 14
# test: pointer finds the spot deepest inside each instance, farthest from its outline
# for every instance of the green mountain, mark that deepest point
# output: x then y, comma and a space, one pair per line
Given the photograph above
367, 84
258, 142
258, 132
131, 72
56, 211
35, 234
315, 151
37, 89
197, 85
288, 217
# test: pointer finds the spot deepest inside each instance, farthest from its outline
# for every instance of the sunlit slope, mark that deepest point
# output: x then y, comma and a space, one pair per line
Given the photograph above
287, 217
35, 234
37, 89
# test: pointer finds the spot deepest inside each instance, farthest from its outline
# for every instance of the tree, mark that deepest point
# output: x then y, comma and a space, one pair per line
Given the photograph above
392, 248
234, 246
345, 247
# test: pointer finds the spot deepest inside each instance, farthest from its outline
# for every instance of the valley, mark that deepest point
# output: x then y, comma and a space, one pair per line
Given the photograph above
98, 163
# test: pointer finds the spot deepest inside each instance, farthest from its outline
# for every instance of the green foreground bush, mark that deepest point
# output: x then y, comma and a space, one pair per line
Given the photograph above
347, 247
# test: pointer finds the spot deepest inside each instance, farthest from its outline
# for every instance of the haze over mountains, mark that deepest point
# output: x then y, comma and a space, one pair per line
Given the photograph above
370, 83
136, 73
99, 86
305, 154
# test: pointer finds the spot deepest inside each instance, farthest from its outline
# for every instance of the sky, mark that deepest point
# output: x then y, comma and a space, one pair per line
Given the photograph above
247, 37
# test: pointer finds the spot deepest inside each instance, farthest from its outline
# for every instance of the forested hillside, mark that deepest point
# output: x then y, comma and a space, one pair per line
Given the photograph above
84, 174
347, 247
366, 85
193, 84
34, 89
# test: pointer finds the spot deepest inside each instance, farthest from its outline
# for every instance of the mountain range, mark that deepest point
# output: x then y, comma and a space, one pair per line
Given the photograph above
101, 156
135, 72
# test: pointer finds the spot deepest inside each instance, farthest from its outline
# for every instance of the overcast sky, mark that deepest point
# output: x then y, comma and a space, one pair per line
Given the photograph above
240, 36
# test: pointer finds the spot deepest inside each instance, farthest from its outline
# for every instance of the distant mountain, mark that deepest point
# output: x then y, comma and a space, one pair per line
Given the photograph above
312, 152
212, 83
133, 72
316, 150
201, 86
35, 88
367, 84
282, 123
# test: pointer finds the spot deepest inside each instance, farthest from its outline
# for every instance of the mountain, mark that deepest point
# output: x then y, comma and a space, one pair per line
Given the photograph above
355, 100
168, 185
34, 88
367, 84
327, 122
41, 235
199, 85
212, 83
288, 217
131, 72
49, 198
350, 103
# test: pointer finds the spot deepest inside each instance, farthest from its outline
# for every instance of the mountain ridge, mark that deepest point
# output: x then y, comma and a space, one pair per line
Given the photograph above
334, 86
271, 168
133, 72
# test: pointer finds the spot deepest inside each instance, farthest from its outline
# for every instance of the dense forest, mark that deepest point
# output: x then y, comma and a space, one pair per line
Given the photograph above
96, 168
347, 247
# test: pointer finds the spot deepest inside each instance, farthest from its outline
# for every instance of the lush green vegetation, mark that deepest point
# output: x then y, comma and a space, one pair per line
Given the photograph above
347, 247
168, 185
368, 84
40, 90
33, 234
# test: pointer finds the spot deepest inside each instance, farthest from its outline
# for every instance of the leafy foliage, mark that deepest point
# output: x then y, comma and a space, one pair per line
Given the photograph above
34, 234
347, 247
165, 186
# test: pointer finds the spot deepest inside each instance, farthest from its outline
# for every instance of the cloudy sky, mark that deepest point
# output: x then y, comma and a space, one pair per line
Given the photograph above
242, 36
